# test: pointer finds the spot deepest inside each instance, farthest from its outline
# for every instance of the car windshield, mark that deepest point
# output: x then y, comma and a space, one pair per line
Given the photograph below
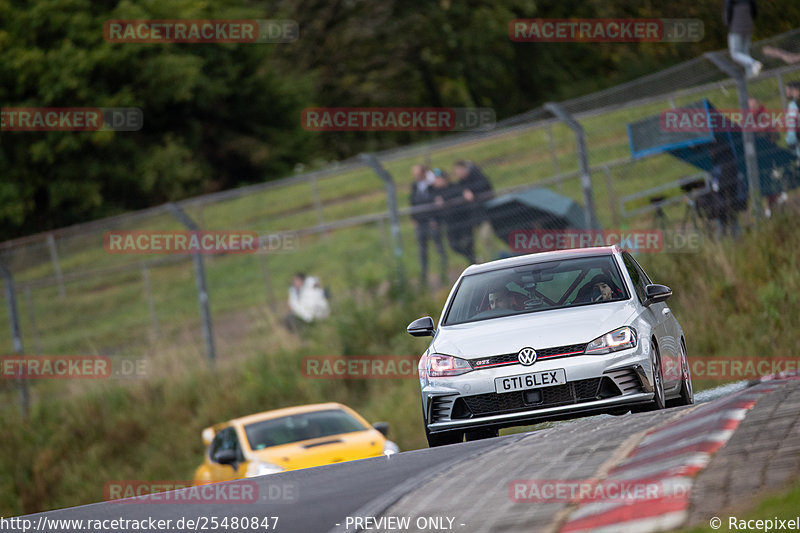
304, 426
536, 287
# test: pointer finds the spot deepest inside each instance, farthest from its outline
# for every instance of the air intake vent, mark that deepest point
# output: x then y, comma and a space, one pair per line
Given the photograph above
440, 408
627, 379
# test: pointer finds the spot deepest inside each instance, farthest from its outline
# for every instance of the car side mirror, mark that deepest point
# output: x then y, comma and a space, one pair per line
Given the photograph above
383, 427
421, 327
655, 293
226, 457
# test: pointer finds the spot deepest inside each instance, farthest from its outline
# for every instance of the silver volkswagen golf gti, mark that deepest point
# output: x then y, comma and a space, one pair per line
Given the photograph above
549, 336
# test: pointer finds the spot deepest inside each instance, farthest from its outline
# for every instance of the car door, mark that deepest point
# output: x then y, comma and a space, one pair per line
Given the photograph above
661, 316
225, 440
672, 337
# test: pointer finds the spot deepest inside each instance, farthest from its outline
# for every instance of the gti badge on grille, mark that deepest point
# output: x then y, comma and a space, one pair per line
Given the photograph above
527, 356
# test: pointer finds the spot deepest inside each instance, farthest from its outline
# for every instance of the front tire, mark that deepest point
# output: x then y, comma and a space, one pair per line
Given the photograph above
687, 391
659, 399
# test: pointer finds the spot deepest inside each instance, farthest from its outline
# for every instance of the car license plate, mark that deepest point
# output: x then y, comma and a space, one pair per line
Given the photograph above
548, 378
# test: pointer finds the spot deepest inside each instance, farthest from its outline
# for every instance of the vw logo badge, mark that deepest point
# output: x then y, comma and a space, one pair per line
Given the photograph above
527, 356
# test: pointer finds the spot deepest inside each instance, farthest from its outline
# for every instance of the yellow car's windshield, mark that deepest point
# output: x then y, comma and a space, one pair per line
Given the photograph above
304, 426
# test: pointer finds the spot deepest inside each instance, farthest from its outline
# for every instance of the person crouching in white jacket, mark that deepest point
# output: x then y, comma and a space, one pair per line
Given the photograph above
307, 301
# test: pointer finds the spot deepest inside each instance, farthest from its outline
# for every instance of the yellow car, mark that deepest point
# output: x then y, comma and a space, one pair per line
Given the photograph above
289, 439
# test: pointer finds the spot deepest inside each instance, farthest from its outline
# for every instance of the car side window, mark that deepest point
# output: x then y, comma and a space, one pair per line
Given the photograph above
225, 440
637, 277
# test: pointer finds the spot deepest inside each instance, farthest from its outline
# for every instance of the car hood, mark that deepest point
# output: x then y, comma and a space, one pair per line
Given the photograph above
542, 329
324, 450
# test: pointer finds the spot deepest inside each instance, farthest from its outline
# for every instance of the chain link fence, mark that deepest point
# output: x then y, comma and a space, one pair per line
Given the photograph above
74, 297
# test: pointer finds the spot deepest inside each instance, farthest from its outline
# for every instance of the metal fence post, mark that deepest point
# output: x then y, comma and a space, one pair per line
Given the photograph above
552, 144
13, 320
202, 290
148, 294
583, 161
781, 90
51, 244
748, 137
612, 196
37, 342
265, 272
394, 221
317, 204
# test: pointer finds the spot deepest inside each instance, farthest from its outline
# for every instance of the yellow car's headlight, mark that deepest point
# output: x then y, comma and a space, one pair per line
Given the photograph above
390, 448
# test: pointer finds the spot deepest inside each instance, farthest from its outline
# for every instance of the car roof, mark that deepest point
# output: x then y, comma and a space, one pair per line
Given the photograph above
286, 411
542, 257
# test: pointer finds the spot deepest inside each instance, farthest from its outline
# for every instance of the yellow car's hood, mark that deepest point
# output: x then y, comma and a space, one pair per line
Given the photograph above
324, 450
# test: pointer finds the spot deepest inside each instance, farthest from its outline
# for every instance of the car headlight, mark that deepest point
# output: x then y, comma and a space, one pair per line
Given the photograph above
390, 448
262, 468
614, 341
438, 365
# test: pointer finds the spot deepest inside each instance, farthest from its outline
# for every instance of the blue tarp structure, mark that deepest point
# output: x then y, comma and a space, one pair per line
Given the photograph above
777, 166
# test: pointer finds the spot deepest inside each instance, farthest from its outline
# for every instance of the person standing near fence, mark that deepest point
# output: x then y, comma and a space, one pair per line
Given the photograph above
477, 190
456, 213
427, 226
725, 183
739, 16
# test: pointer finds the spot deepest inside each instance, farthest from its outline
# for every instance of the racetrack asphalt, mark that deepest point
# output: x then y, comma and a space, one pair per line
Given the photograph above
466, 487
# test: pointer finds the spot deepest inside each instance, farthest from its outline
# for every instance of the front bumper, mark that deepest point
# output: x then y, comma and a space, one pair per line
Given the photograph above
594, 384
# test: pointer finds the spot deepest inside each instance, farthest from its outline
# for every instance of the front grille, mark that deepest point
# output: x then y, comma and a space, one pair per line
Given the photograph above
583, 390
544, 353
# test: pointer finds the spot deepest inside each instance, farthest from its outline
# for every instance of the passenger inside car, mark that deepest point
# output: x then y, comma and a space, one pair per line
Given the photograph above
500, 298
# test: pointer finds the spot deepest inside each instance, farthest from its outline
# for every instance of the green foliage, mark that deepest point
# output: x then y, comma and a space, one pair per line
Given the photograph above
215, 116
743, 293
